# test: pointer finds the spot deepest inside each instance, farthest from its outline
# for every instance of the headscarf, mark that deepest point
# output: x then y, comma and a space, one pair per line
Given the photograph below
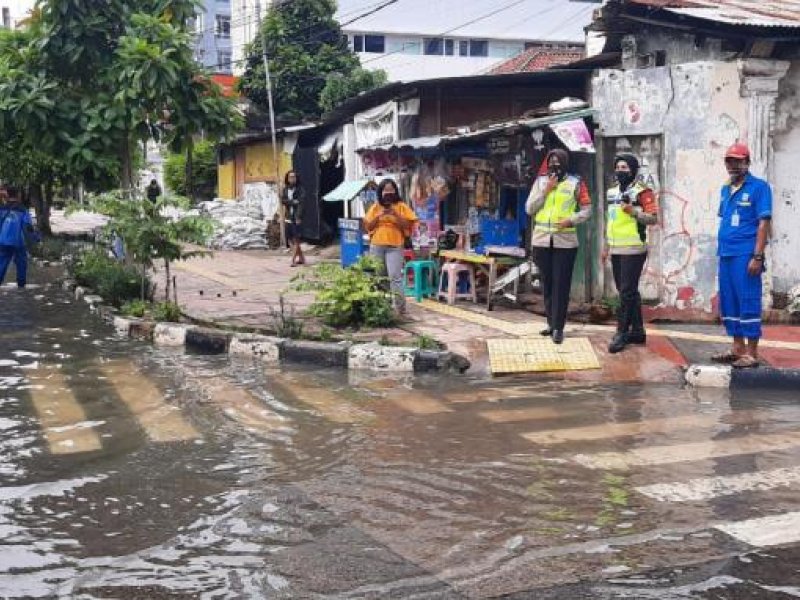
631, 160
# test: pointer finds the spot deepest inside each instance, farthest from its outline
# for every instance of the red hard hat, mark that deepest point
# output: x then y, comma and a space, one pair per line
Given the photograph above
738, 150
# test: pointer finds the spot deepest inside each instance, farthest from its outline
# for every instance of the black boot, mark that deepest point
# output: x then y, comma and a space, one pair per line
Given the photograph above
546, 331
558, 336
618, 343
637, 337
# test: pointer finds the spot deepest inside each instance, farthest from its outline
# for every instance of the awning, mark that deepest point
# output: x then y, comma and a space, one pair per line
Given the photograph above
434, 141
346, 191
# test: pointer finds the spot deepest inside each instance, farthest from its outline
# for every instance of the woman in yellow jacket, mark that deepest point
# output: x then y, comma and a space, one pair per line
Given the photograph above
389, 222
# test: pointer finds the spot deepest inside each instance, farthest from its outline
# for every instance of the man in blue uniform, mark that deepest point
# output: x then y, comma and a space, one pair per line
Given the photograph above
15, 221
745, 215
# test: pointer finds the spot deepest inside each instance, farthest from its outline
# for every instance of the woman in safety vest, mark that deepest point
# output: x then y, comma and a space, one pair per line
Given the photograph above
558, 202
631, 207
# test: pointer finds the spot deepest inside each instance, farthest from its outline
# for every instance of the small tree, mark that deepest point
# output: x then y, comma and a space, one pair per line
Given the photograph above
150, 233
339, 87
305, 45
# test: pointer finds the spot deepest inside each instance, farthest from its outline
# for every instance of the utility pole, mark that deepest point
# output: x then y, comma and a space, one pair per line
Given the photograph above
272, 123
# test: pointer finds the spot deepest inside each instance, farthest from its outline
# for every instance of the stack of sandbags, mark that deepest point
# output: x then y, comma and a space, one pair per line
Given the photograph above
242, 223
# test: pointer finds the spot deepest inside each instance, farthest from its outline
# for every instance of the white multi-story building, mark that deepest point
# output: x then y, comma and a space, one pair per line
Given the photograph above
213, 36
422, 39
13, 12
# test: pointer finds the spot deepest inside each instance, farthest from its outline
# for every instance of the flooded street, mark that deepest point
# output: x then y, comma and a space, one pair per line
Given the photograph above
128, 471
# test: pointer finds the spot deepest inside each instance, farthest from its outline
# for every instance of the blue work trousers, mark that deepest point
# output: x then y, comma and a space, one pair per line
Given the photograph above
739, 297
20, 256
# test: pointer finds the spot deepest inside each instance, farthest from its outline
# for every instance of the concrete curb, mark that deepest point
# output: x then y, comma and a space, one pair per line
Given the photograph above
721, 376
369, 356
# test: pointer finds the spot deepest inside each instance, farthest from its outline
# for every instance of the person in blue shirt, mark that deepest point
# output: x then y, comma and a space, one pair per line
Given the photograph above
745, 216
15, 223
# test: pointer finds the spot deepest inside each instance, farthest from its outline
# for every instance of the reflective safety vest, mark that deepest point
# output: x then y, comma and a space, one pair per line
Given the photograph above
560, 204
623, 229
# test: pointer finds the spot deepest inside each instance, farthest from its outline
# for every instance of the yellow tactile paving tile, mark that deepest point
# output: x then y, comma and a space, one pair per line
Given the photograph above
540, 354
161, 421
242, 406
326, 401
612, 430
61, 416
693, 451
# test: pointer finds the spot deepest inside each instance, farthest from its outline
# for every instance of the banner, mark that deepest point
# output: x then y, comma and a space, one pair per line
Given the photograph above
377, 126
574, 135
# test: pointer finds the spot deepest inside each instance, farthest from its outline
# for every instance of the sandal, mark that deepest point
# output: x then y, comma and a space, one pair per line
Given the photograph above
726, 358
745, 362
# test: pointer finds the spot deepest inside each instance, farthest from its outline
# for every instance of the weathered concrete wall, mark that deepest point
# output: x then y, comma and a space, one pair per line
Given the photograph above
698, 109
786, 184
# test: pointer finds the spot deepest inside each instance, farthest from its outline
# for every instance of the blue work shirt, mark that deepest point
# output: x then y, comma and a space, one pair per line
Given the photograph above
740, 213
13, 223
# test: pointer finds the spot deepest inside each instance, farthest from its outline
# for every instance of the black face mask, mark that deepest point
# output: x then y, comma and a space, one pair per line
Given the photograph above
558, 171
625, 178
388, 199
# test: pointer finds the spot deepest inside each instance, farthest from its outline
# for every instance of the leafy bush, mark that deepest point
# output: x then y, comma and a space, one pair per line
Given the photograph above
353, 296
50, 248
113, 280
167, 311
135, 308
204, 172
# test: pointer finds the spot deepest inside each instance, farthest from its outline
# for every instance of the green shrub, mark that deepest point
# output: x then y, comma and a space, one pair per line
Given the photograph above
135, 308
204, 172
113, 280
167, 311
354, 296
50, 248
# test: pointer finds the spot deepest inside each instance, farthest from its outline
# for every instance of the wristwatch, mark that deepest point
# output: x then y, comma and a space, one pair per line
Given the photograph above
758, 257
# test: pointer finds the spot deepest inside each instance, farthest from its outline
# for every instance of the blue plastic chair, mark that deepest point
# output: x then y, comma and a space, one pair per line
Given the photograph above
425, 279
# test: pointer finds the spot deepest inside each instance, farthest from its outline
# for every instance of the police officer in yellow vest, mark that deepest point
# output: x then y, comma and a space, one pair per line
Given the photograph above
558, 202
631, 207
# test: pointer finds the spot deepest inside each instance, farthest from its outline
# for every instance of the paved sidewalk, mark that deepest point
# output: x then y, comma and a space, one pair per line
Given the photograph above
242, 288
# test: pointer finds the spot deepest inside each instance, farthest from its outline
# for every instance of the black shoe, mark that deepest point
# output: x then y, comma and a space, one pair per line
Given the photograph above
637, 337
558, 336
546, 332
618, 343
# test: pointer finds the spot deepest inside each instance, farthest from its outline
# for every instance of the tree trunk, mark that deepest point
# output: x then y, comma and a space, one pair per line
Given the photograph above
41, 208
126, 175
169, 282
190, 169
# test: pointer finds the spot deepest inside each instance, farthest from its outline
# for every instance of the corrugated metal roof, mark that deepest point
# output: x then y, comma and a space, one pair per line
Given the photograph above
561, 20
751, 13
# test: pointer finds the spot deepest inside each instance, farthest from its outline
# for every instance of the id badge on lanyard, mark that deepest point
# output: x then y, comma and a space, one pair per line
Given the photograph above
735, 219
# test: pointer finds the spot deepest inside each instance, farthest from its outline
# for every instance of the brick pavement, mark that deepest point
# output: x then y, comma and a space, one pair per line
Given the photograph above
241, 288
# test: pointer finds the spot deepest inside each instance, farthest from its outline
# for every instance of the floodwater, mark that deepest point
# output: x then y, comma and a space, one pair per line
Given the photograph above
128, 471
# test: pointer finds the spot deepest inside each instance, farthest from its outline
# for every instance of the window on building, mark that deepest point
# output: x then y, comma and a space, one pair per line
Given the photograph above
375, 44
402, 45
433, 46
224, 60
463, 48
196, 23
6, 17
223, 26
449, 47
478, 48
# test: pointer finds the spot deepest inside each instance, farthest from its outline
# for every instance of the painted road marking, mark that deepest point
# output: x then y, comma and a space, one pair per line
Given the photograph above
705, 488
766, 531
161, 422
415, 402
326, 401
242, 406
662, 455
62, 418
514, 415
612, 430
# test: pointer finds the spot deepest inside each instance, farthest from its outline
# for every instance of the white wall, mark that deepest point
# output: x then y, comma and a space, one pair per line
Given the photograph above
786, 184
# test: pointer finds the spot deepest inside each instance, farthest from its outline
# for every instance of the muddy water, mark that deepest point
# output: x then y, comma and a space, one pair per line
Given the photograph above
133, 472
